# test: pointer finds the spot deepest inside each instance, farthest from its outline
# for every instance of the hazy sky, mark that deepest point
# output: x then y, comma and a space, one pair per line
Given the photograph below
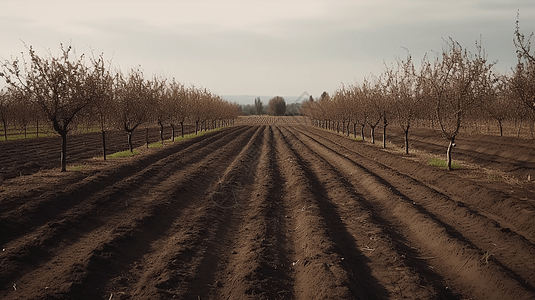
263, 47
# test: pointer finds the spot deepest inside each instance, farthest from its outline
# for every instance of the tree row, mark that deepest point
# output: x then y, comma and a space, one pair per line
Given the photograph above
66, 91
457, 87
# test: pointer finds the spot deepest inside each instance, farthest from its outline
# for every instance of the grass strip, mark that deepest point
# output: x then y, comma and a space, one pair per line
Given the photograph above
122, 154
437, 162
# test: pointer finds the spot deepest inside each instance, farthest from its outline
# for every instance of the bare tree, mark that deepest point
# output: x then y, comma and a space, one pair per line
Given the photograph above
58, 85
358, 111
457, 82
342, 105
195, 107
175, 99
405, 90
372, 96
131, 106
162, 109
498, 104
103, 105
523, 79
22, 111
5, 109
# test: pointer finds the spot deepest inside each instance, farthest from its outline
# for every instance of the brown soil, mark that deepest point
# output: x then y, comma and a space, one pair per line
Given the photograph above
275, 211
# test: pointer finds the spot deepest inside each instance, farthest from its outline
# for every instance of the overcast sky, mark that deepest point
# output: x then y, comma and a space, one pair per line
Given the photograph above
263, 48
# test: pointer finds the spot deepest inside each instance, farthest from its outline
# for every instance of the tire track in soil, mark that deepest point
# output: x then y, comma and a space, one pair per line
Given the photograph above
182, 264
493, 280
259, 267
19, 219
322, 270
386, 252
95, 236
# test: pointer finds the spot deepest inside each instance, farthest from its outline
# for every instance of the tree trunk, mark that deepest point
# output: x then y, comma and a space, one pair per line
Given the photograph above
406, 140
448, 154
519, 127
373, 134
362, 131
147, 137
384, 136
501, 127
173, 133
104, 144
130, 147
182, 128
63, 151
5, 130
196, 127
161, 131
355, 130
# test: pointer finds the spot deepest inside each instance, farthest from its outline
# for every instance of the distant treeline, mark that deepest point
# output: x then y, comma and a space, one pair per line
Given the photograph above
276, 107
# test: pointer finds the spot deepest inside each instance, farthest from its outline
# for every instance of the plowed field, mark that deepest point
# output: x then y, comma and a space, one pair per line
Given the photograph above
276, 211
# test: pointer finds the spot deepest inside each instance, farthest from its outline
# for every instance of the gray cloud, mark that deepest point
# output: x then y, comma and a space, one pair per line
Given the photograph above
283, 47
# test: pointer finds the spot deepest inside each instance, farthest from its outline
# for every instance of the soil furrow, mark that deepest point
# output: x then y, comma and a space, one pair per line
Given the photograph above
275, 210
108, 229
205, 228
228, 198
259, 267
19, 219
506, 248
7, 203
321, 271
386, 253
508, 212
461, 254
38, 244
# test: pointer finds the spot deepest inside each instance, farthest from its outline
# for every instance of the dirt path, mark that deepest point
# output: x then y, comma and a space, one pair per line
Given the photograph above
264, 212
